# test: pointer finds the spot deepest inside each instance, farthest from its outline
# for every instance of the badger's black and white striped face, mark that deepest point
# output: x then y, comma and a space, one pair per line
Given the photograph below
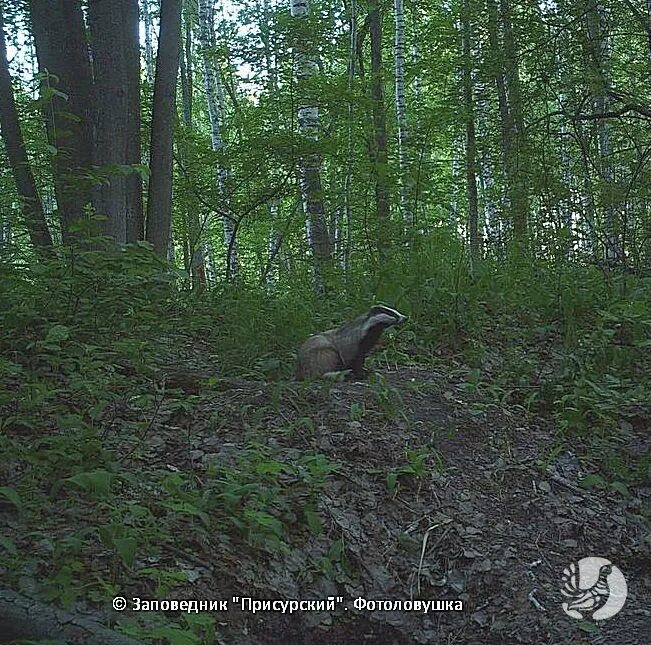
383, 316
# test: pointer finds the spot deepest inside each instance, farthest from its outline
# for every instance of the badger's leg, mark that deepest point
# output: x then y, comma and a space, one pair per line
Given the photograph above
358, 368
319, 361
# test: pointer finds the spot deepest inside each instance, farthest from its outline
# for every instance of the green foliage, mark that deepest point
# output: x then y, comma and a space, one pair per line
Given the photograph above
262, 498
85, 332
415, 468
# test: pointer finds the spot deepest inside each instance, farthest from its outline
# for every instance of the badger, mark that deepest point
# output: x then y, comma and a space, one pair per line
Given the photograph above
346, 347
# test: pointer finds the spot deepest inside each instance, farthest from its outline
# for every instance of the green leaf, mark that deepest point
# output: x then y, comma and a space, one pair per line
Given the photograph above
187, 509
126, 548
621, 488
12, 496
392, 481
57, 333
98, 482
314, 522
175, 636
8, 545
589, 628
336, 550
474, 376
270, 468
592, 481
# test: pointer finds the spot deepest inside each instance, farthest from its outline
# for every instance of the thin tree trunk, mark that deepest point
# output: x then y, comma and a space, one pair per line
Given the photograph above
471, 143
490, 216
215, 102
507, 80
348, 215
597, 29
32, 208
159, 202
186, 68
62, 52
149, 47
274, 239
456, 171
401, 109
310, 172
193, 225
519, 197
381, 164
134, 202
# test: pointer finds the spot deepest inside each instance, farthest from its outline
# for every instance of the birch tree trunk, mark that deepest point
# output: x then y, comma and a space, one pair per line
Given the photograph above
193, 226
381, 164
519, 188
471, 139
457, 144
159, 202
149, 47
565, 203
507, 80
32, 208
348, 180
215, 102
186, 68
600, 84
274, 241
401, 109
490, 215
306, 66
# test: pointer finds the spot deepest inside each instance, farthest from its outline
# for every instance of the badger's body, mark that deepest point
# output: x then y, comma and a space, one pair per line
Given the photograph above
346, 347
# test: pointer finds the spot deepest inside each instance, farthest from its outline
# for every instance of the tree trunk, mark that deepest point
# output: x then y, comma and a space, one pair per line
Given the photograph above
149, 47
381, 164
519, 189
215, 103
23, 618
507, 80
62, 52
159, 202
274, 239
193, 225
114, 43
186, 69
471, 143
401, 109
32, 208
310, 172
600, 82
348, 180
134, 205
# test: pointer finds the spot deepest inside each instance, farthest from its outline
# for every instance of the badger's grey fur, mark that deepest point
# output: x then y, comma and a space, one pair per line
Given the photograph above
346, 347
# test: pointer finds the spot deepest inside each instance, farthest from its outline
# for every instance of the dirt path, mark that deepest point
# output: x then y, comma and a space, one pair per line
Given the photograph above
436, 497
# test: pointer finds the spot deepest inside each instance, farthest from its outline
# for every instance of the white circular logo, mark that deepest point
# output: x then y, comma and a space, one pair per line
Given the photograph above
594, 587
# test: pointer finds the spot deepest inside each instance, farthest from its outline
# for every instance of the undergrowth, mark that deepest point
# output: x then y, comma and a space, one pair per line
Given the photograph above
83, 336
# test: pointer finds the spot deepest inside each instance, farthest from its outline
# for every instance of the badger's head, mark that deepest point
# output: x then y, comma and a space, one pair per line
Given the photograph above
380, 317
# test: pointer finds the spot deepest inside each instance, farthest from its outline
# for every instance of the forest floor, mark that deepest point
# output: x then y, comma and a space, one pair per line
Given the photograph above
433, 495
407, 486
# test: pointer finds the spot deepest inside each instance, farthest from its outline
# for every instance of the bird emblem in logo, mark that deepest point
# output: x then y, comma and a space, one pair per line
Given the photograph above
594, 587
